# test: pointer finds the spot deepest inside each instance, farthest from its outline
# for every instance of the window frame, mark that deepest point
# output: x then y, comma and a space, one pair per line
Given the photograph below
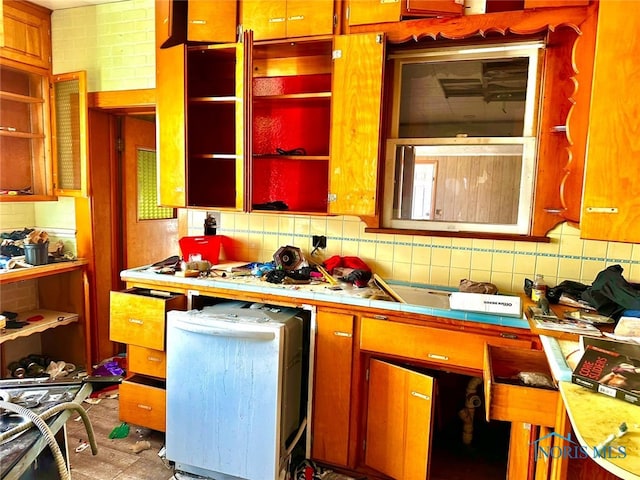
532, 49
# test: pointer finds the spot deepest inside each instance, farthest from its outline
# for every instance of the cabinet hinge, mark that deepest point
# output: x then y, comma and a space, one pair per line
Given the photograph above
332, 197
335, 20
119, 145
379, 38
348, 12
366, 375
364, 445
239, 32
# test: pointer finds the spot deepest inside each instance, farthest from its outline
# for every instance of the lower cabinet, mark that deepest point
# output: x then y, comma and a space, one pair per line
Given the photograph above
332, 387
399, 413
391, 398
138, 319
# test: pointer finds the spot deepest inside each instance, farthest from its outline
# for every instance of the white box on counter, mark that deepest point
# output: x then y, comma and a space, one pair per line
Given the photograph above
510, 305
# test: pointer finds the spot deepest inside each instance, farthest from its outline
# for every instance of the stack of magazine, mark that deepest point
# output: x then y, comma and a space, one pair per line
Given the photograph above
550, 321
609, 367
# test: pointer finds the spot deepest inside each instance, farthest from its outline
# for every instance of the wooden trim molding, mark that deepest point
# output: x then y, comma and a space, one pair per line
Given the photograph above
127, 101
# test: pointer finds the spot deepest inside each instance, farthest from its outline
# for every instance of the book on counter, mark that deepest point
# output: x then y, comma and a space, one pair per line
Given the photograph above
609, 372
552, 322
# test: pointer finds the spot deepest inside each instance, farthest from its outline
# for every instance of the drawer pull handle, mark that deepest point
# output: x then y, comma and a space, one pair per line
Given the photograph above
436, 356
154, 359
144, 407
420, 395
136, 321
511, 336
380, 317
297, 17
342, 334
277, 20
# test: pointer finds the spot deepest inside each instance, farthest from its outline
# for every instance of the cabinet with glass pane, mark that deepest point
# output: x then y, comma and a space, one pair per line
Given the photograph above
42, 118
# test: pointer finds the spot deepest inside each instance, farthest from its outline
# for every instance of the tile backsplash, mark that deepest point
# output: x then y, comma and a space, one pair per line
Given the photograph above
427, 260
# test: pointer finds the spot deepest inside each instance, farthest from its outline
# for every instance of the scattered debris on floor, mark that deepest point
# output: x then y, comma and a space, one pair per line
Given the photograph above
121, 431
140, 446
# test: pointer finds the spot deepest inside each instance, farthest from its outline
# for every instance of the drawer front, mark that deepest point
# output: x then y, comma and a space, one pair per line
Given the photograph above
434, 345
147, 361
140, 319
143, 404
516, 403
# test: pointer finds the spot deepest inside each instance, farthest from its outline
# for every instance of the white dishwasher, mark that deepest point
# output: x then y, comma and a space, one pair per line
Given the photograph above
234, 374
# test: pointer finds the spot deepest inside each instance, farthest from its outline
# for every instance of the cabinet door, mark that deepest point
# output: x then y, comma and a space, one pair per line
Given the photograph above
266, 19
171, 124
611, 205
69, 126
362, 12
207, 22
399, 414
355, 123
305, 18
26, 34
332, 388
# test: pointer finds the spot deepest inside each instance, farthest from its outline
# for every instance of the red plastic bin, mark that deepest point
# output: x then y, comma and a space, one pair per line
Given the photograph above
208, 247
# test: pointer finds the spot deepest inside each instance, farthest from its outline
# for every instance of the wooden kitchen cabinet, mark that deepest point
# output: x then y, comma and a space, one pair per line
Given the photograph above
138, 320
274, 19
63, 332
332, 387
201, 118
179, 21
399, 417
610, 205
315, 124
43, 119
27, 34
362, 12
400, 361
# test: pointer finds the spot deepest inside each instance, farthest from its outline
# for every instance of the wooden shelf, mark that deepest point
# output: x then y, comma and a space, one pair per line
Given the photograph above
30, 273
27, 198
6, 133
294, 96
269, 156
51, 319
15, 97
225, 156
227, 99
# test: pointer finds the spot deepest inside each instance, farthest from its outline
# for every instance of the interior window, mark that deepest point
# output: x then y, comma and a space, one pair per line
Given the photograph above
461, 150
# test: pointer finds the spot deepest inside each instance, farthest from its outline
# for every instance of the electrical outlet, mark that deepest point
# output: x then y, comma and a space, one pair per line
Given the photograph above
319, 241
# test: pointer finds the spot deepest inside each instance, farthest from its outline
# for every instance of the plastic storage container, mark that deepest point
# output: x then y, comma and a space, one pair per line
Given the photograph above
36, 253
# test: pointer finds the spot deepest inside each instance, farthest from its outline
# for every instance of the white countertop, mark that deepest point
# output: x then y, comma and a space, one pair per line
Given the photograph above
321, 291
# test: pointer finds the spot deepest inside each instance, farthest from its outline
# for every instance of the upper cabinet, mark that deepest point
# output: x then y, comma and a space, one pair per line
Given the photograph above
285, 126
206, 24
27, 34
201, 117
274, 19
179, 21
362, 12
610, 205
315, 125
42, 118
